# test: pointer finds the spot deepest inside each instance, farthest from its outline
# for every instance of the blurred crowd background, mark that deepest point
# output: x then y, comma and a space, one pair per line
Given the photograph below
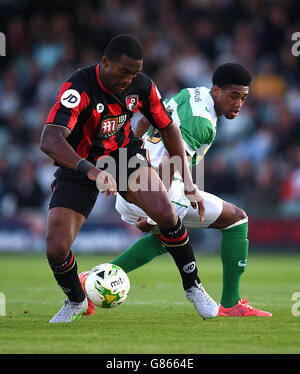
255, 161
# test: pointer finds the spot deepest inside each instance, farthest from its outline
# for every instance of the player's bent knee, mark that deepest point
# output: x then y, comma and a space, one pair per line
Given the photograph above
57, 243
233, 213
240, 214
230, 215
166, 217
56, 249
62, 228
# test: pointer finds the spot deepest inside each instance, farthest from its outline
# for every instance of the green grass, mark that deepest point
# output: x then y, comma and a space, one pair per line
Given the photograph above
156, 318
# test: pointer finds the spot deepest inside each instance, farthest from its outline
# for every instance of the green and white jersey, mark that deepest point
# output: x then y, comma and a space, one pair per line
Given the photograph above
192, 109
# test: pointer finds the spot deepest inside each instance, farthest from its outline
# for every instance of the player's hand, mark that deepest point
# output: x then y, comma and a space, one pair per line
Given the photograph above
196, 199
104, 181
142, 224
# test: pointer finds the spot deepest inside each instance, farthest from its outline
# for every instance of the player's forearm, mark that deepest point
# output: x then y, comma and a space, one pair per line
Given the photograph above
166, 171
141, 127
174, 145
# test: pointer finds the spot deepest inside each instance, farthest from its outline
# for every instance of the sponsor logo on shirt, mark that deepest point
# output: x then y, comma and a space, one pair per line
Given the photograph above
111, 125
197, 94
70, 98
100, 107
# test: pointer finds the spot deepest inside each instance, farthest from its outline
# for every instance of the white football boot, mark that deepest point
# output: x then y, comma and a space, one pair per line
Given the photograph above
203, 303
70, 311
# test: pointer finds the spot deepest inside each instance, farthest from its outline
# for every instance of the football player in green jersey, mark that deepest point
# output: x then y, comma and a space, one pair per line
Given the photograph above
196, 111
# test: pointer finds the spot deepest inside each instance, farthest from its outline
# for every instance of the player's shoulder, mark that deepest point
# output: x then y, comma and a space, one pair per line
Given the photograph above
196, 96
142, 78
83, 77
142, 84
198, 104
188, 101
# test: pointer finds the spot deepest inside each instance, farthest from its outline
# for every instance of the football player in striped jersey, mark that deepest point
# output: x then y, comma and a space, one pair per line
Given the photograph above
86, 131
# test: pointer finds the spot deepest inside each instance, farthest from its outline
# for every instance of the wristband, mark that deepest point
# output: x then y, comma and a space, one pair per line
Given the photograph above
84, 166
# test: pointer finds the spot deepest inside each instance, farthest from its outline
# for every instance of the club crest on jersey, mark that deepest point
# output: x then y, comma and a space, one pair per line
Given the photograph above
131, 102
111, 125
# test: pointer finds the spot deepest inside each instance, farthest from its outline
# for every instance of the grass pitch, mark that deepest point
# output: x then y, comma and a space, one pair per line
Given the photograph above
156, 318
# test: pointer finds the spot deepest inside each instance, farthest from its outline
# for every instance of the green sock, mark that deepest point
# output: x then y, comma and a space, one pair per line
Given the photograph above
140, 253
234, 253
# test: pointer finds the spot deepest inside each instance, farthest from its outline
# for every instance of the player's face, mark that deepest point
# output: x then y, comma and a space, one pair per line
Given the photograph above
117, 75
230, 99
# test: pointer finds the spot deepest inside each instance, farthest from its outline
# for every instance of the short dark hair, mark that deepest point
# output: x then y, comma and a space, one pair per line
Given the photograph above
231, 73
124, 45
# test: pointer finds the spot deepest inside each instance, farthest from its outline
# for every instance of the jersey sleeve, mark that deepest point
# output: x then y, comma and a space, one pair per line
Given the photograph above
153, 108
71, 101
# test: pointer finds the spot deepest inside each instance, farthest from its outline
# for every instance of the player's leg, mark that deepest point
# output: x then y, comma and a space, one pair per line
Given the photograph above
63, 225
139, 253
69, 207
148, 247
234, 254
144, 249
174, 236
233, 223
157, 206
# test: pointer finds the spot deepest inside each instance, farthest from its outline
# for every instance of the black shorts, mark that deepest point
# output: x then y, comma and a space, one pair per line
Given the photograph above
76, 191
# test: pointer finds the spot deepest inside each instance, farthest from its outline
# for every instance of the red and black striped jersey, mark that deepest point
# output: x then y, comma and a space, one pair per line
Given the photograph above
98, 120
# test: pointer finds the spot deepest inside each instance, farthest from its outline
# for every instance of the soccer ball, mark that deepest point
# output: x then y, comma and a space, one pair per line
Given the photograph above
107, 285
